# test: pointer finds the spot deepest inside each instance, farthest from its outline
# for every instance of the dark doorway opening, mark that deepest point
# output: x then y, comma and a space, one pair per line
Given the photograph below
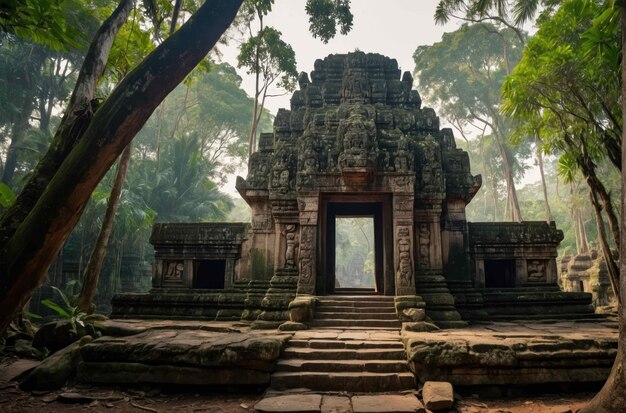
209, 274
499, 273
337, 211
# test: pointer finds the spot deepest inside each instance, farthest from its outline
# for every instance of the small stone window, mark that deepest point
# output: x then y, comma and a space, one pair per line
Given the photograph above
499, 273
209, 274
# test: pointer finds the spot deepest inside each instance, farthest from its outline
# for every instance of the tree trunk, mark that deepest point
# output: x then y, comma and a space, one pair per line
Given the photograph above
604, 245
514, 213
25, 257
582, 246
20, 126
549, 217
91, 275
257, 93
75, 120
612, 397
599, 189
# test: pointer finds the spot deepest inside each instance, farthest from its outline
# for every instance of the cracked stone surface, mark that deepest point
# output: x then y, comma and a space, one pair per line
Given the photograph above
507, 352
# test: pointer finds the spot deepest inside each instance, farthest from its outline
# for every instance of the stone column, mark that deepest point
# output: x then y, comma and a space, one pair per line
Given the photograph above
455, 248
428, 239
403, 247
262, 242
307, 250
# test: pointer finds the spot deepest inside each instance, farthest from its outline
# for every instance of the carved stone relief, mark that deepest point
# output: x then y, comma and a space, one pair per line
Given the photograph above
306, 256
404, 270
536, 271
424, 245
173, 270
291, 244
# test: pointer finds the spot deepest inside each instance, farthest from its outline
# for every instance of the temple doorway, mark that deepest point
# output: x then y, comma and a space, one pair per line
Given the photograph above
355, 248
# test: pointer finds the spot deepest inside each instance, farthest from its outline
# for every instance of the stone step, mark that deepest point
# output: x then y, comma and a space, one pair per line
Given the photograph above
343, 354
355, 315
348, 381
346, 344
356, 329
355, 291
371, 366
356, 323
352, 306
365, 298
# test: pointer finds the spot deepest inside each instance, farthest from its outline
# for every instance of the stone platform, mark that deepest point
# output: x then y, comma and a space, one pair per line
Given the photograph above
491, 354
515, 353
180, 353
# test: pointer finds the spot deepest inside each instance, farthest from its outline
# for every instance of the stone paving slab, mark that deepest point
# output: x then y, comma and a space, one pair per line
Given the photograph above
332, 403
336, 404
298, 403
12, 371
387, 403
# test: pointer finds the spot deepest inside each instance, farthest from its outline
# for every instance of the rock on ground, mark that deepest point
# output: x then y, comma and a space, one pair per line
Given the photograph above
438, 395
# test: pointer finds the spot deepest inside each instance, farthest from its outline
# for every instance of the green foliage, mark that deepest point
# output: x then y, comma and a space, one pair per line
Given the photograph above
130, 47
267, 54
354, 252
521, 11
67, 309
461, 75
326, 15
53, 23
7, 196
568, 84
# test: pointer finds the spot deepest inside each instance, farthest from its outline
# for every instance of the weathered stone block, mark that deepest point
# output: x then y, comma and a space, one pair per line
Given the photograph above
438, 395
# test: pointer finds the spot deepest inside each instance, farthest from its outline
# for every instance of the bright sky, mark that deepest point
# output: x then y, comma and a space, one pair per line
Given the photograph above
393, 28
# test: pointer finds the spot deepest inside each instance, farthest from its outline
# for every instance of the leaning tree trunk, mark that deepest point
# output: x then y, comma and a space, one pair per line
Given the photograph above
25, 257
604, 245
612, 397
607, 202
91, 275
77, 117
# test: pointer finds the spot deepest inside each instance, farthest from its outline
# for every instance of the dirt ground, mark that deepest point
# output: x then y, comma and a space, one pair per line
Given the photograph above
12, 399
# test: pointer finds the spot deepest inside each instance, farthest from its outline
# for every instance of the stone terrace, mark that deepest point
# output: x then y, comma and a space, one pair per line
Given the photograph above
502, 353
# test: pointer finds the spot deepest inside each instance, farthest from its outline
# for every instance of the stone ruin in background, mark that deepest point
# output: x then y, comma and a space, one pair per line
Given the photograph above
356, 142
587, 272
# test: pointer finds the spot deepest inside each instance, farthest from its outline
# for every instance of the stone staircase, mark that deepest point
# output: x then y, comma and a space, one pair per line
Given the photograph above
355, 311
353, 346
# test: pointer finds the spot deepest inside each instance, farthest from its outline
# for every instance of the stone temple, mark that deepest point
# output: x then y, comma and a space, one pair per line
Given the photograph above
356, 142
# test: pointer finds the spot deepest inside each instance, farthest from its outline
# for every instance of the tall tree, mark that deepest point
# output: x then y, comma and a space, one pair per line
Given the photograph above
612, 397
94, 265
462, 75
34, 229
576, 95
268, 57
36, 239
